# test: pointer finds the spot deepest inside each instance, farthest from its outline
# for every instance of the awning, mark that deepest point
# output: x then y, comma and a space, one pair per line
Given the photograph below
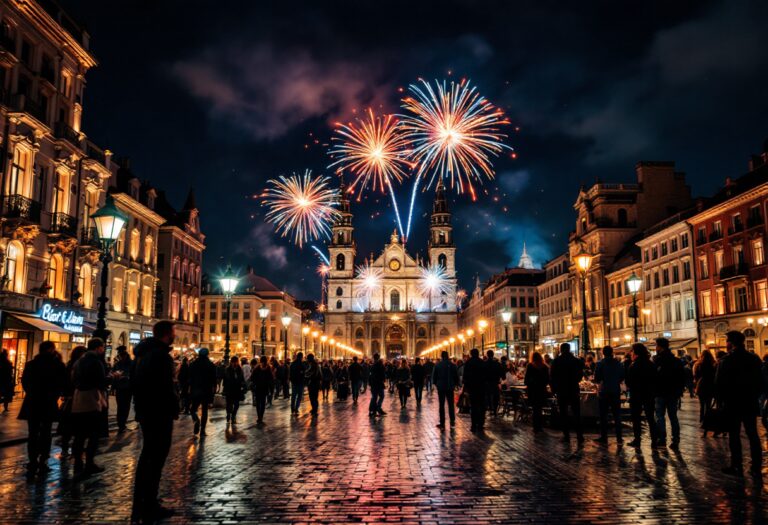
680, 343
33, 322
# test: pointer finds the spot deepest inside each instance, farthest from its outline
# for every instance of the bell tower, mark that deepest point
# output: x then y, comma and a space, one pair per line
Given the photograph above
441, 249
341, 252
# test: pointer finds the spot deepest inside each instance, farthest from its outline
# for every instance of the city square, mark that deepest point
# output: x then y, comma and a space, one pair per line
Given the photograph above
362, 263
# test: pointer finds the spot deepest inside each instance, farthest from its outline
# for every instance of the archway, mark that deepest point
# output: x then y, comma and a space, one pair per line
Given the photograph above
395, 341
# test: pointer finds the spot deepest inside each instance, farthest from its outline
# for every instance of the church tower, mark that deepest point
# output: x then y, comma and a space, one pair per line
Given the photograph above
341, 252
442, 250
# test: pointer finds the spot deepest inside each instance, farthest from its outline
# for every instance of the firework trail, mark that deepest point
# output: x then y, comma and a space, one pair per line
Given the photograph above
374, 151
319, 252
301, 206
453, 133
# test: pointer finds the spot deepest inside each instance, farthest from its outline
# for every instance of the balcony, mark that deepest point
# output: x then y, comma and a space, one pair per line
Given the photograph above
96, 153
63, 224
23, 102
64, 131
89, 237
715, 235
736, 228
701, 239
733, 271
754, 221
20, 207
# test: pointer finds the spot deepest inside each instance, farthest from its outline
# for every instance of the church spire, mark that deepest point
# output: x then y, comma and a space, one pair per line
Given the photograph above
525, 260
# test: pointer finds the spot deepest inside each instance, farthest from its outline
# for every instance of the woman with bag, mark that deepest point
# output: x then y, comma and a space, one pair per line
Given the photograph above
404, 383
234, 388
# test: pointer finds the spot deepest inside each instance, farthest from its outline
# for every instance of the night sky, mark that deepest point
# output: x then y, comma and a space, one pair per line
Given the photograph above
225, 95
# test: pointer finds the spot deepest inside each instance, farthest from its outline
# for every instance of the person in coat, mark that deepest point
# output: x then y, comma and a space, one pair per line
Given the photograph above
44, 381
565, 374
496, 374
641, 380
609, 375
66, 428
6, 380
355, 377
233, 388
704, 383
738, 385
670, 383
404, 383
261, 382
313, 378
121, 382
156, 403
202, 387
536, 381
477, 377
418, 374
327, 372
377, 376
88, 403
445, 378
296, 376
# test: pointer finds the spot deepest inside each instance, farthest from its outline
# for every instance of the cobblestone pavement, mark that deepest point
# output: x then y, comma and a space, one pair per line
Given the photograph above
345, 468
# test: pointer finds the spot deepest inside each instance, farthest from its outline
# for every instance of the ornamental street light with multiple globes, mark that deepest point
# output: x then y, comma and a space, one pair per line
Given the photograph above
228, 283
109, 222
583, 263
263, 314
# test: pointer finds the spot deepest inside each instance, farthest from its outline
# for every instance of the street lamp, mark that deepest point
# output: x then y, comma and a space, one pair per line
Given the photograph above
263, 314
482, 324
331, 348
323, 339
109, 223
286, 320
506, 316
461, 338
315, 335
534, 317
583, 263
305, 331
228, 283
634, 283
471, 334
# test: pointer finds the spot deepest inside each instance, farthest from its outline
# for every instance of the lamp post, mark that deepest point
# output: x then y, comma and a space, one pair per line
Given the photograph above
263, 314
323, 339
461, 339
471, 335
506, 316
583, 263
534, 318
109, 223
286, 320
305, 331
634, 283
482, 324
315, 335
228, 283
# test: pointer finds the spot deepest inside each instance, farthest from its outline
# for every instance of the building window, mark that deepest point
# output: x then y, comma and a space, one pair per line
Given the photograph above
663, 249
758, 255
175, 306
706, 303
703, 267
20, 180
338, 305
719, 301
149, 244
85, 285
678, 311
117, 294
667, 312
665, 276
60, 193
761, 294
340, 262
442, 260
717, 229
740, 299
394, 301
684, 240
648, 281
673, 245
56, 277
146, 301
686, 270
656, 279
339, 292
622, 216
654, 253
132, 298
689, 312
675, 274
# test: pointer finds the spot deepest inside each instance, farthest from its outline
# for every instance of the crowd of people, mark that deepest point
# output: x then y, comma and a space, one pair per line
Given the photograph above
732, 389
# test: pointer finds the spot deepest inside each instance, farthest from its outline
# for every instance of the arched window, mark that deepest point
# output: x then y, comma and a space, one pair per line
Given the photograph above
85, 285
174, 305
622, 217
339, 292
176, 268
56, 277
135, 235
149, 244
340, 261
341, 238
359, 334
442, 260
421, 332
338, 333
444, 332
14, 266
583, 224
184, 270
394, 301
338, 305
120, 248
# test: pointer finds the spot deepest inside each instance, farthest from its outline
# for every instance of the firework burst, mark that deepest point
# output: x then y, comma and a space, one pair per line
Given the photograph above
374, 151
369, 279
301, 207
433, 280
454, 133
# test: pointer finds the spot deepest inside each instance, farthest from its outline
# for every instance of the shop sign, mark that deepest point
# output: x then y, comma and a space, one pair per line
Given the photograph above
134, 338
67, 319
667, 334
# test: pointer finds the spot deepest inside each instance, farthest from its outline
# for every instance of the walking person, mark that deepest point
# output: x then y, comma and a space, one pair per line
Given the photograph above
476, 380
234, 389
281, 380
536, 381
641, 379
355, 377
157, 406
121, 382
565, 374
327, 379
296, 375
261, 381
704, 380
313, 378
88, 401
429, 367
377, 378
183, 382
670, 383
404, 383
738, 384
418, 374
445, 378
495, 376
6, 380
43, 380
66, 427
609, 374
366, 370
202, 387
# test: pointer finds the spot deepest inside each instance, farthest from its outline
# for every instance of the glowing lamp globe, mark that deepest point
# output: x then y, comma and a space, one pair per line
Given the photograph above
583, 261
109, 222
506, 315
634, 283
263, 311
305, 330
286, 320
228, 282
533, 318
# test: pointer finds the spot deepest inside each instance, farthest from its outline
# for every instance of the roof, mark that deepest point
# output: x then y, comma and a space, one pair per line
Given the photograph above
516, 277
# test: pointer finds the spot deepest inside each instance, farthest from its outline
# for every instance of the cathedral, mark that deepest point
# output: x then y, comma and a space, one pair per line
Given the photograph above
398, 317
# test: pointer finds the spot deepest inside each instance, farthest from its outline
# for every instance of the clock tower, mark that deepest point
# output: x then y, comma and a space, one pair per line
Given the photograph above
442, 250
341, 252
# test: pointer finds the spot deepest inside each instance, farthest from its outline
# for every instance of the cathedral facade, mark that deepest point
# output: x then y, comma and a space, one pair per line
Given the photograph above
393, 314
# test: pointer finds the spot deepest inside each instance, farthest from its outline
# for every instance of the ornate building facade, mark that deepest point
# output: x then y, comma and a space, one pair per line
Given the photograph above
394, 315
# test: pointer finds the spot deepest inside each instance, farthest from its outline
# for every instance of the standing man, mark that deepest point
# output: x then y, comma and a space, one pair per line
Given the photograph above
121, 381
641, 377
429, 366
202, 387
495, 376
313, 379
739, 383
157, 406
445, 377
566, 373
377, 377
417, 376
609, 374
670, 383
476, 375
355, 377
44, 380
296, 375
88, 402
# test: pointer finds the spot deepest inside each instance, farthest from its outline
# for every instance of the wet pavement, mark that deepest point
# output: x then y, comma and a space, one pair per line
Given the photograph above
346, 468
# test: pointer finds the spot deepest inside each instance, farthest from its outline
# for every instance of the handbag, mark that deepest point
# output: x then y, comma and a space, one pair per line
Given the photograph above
715, 420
